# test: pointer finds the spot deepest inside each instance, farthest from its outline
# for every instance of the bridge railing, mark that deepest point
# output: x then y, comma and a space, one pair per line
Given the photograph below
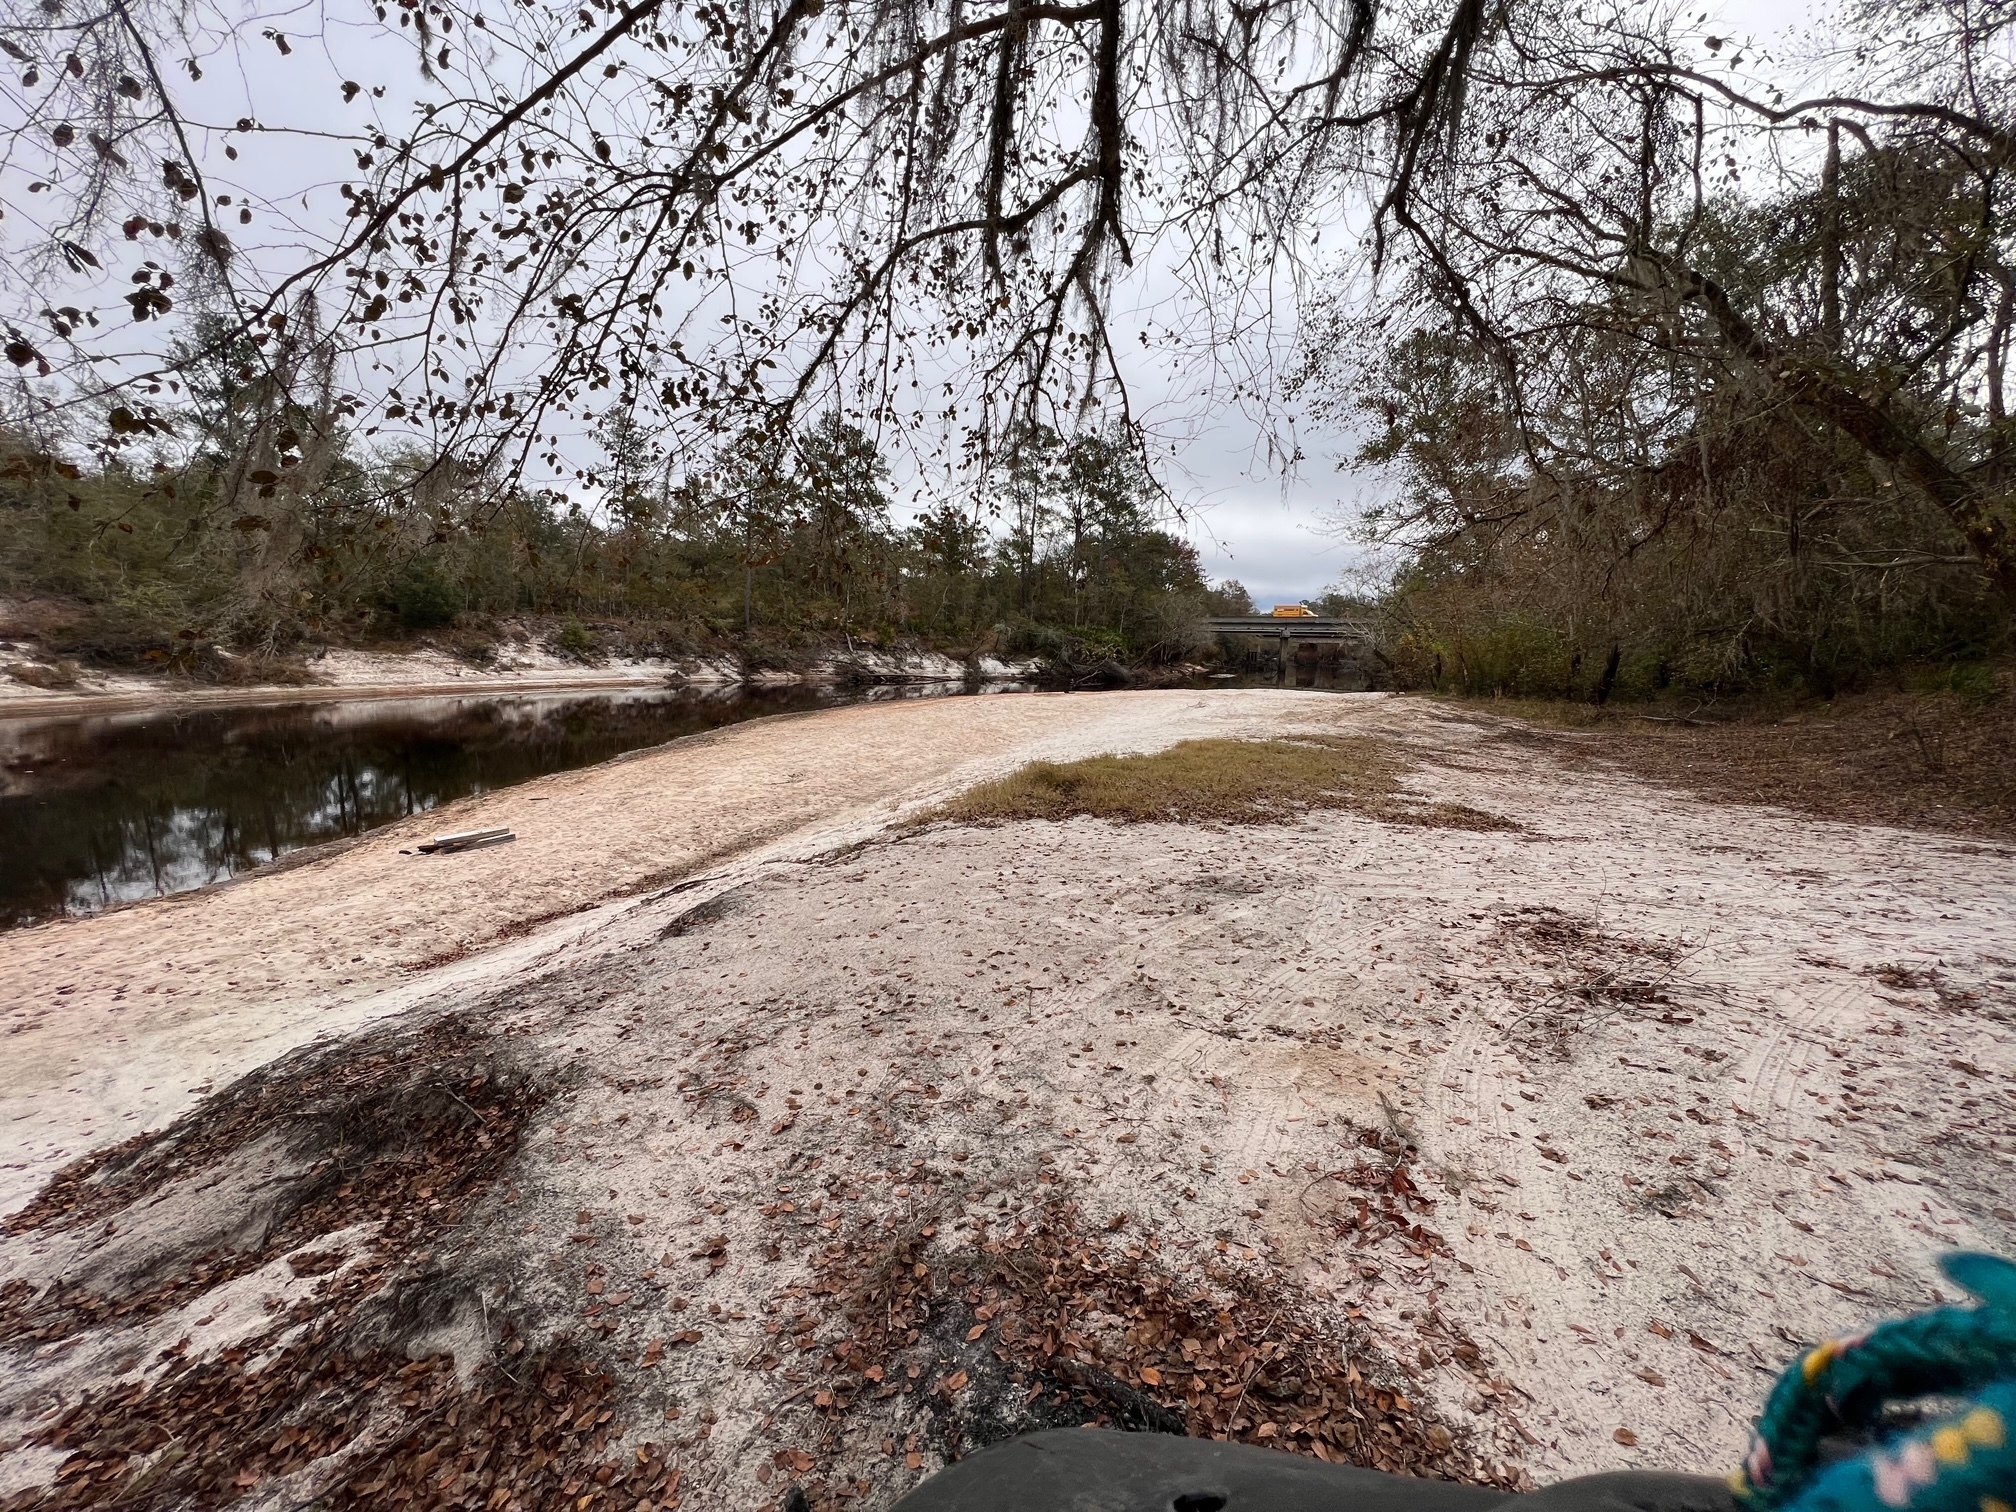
1293, 627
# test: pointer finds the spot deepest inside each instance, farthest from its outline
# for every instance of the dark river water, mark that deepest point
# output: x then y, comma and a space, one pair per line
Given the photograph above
106, 810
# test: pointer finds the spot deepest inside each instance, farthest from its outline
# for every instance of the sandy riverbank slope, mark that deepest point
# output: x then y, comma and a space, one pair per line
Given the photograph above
336, 677
1566, 1133
341, 675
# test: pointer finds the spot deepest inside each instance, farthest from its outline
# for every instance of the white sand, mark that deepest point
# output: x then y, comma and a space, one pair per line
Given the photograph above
1647, 1200
113, 1021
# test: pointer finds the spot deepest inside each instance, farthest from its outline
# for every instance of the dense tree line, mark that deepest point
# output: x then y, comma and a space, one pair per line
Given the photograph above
792, 544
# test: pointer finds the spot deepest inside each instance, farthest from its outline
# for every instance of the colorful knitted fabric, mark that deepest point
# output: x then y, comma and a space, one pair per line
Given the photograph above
1964, 1462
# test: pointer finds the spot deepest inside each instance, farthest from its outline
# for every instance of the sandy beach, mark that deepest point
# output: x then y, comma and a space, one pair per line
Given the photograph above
1568, 1131
113, 1021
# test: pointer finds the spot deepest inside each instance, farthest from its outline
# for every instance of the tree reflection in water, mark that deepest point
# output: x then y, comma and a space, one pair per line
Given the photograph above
96, 812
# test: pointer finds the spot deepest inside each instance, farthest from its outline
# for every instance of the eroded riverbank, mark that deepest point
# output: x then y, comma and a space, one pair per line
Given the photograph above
341, 675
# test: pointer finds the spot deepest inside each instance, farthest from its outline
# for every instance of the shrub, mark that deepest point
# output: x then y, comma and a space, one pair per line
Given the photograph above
424, 599
577, 642
1975, 681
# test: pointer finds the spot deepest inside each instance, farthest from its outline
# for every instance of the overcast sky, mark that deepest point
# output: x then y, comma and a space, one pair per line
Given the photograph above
1282, 532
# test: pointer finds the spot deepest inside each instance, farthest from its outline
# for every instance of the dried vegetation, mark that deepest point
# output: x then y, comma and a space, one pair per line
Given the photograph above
1938, 757
1217, 781
1595, 973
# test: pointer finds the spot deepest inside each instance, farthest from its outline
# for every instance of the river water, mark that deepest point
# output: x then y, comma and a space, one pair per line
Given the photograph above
106, 810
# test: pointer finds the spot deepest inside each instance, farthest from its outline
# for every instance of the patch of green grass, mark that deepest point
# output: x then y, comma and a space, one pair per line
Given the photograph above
1213, 781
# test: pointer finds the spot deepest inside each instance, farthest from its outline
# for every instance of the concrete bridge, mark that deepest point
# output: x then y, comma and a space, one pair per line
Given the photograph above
1290, 630
1293, 627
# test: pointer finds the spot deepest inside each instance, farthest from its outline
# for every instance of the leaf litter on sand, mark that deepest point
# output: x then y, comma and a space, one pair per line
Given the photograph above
326, 1396
1607, 974
1049, 1325
1044, 1325
408, 1131
1041, 1324
368, 1430
402, 1131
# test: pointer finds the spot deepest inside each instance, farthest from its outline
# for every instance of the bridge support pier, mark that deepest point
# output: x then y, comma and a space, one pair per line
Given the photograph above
1289, 634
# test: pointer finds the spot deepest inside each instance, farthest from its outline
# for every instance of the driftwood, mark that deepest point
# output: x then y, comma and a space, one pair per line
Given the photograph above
466, 840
